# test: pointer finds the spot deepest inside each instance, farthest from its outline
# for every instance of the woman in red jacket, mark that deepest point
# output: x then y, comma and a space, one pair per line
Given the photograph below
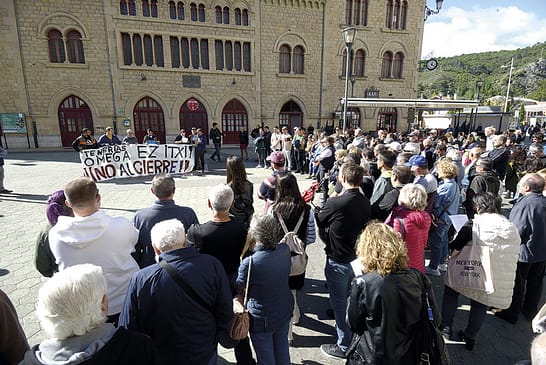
411, 221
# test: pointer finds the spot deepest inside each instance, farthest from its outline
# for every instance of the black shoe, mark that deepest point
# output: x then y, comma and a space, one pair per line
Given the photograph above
505, 315
5, 191
447, 332
330, 313
468, 342
333, 350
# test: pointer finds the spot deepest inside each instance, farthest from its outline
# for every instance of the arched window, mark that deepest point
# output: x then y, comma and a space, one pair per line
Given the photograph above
205, 54
396, 15
201, 13
193, 11
158, 50
74, 115
132, 7
148, 50
403, 15
185, 48
386, 65
172, 10
229, 56
218, 13
127, 49
145, 8
74, 47
123, 10
234, 117
284, 59
56, 47
175, 52
246, 57
219, 54
360, 62
190, 116
388, 19
194, 53
356, 12
364, 12
237, 16
348, 11
180, 10
226, 15
137, 49
153, 8
245, 17
291, 115
298, 60
237, 56
398, 65
147, 113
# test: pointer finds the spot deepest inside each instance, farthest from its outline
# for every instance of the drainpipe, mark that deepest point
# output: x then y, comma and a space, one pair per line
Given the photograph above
321, 67
114, 114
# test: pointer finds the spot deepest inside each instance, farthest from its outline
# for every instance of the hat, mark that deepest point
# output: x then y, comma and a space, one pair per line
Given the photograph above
395, 146
276, 157
433, 131
417, 160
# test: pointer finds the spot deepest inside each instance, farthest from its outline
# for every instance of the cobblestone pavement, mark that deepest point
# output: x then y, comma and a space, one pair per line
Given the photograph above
35, 175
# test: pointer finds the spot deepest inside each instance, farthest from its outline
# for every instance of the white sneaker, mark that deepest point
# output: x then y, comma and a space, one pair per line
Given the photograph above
433, 272
259, 166
442, 267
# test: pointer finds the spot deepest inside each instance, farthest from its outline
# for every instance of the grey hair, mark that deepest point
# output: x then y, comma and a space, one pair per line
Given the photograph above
413, 197
221, 197
163, 186
168, 234
366, 166
536, 147
70, 303
264, 229
412, 147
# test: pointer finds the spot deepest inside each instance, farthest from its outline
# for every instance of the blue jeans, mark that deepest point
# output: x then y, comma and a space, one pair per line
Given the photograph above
339, 277
478, 311
216, 151
437, 241
272, 347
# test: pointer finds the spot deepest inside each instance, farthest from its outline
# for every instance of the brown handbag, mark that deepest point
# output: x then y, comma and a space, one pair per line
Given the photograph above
240, 323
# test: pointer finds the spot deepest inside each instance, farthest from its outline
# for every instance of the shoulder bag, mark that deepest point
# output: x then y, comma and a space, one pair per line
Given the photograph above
240, 323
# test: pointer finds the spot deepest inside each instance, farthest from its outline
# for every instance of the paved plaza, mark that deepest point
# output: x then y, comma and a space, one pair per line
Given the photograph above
34, 175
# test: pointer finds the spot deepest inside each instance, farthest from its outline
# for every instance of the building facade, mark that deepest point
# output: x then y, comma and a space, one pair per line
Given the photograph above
168, 65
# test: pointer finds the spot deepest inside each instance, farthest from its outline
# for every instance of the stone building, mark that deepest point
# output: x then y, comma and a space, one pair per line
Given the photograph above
167, 65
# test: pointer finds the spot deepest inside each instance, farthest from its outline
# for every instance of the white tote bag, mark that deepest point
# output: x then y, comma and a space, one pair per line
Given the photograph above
470, 268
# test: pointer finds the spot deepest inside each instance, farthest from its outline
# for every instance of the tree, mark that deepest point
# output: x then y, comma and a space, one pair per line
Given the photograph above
522, 113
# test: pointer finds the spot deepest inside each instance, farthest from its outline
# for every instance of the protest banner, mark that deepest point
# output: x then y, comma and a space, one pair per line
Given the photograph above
123, 161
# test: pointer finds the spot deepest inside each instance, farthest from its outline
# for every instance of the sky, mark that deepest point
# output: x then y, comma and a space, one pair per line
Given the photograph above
470, 26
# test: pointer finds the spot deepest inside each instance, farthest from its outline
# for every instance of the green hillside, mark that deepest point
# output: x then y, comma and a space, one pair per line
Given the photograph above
460, 74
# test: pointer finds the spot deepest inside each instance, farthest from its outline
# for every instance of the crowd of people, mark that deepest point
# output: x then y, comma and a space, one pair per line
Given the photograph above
159, 289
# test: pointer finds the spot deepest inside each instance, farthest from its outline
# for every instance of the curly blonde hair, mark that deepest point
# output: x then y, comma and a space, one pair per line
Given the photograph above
446, 169
381, 249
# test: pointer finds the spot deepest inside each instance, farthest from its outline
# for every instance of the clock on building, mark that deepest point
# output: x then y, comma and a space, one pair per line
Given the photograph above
432, 64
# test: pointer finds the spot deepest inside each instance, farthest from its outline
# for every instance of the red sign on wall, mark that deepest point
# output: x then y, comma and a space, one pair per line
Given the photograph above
193, 105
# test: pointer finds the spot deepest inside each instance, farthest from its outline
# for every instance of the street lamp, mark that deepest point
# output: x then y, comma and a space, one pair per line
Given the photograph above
353, 80
508, 88
479, 85
429, 11
349, 35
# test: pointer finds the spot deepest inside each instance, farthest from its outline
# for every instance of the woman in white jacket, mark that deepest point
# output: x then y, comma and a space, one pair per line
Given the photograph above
501, 236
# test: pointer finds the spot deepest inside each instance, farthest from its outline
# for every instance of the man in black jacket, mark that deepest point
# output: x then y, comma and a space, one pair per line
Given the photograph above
485, 180
216, 137
341, 221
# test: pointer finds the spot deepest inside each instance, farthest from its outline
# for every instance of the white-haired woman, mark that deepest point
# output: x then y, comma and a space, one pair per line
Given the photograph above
72, 309
411, 221
270, 302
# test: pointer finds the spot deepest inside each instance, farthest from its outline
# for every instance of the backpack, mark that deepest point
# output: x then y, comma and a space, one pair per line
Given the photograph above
298, 256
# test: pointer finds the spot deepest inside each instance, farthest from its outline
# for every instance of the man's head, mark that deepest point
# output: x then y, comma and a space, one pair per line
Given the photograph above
193, 130
182, 132
351, 175
418, 164
499, 140
109, 131
427, 143
220, 198
489, 131
277, 160
163, 186
199, 132
531, 183
168, 235
73, 301
484, 164
86, 132
537, 137
475, 153
150, 131
214, 125
82, 195
401, 175
386, 160
129, 133
536, 150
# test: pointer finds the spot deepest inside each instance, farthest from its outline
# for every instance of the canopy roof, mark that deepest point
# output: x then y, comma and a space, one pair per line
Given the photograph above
428, 104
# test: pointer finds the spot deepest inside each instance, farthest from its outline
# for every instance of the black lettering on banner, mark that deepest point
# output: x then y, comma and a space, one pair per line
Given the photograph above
137, 165
151, 154
142, 151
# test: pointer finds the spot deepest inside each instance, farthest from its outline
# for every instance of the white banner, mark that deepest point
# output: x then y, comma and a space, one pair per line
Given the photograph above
122, 161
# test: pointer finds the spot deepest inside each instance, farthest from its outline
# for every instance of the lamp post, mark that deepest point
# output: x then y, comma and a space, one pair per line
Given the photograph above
353, 80
508, 88
429, 11
349, 35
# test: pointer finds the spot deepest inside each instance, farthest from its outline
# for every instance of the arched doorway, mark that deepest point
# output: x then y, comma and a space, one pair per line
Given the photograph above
234, 117
291, 116
194, 114
387, 119
74, 115
147, 113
